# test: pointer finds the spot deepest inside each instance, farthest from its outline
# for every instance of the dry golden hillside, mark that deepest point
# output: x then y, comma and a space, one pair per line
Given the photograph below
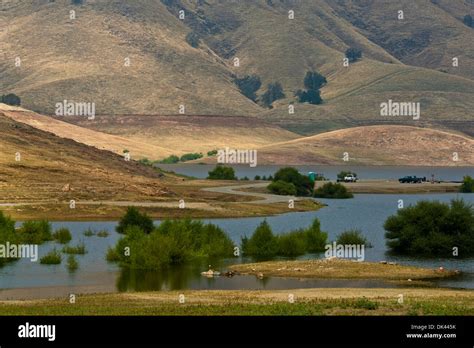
84, 59
39, 166
379, 145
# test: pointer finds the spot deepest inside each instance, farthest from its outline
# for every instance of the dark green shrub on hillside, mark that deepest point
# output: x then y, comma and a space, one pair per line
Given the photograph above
467, 185
193, 39
353, 54
311, 96
274, 92
222, 173
332, 190
133, 217
301, 182
467, 20
10, 99
282, 188
249, 85
314, 81
212, 153
432, 228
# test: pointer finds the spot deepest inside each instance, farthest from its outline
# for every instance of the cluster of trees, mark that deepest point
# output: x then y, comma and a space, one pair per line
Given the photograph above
263, 244
432, 228
146, 246
172, 159
313, 81
467, 20
221, 172
250, 84
10, 99
291, 180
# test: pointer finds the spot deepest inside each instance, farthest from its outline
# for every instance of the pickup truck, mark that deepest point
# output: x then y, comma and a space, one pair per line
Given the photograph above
411, 180
348, 178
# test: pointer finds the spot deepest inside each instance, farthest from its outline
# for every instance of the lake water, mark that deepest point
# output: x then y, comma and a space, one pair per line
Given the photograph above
365, 212
330, 172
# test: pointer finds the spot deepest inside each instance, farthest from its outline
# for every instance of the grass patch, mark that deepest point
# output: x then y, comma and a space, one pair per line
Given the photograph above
79, 249
63, 235
89, 233
51, 258
102, 234
72, 264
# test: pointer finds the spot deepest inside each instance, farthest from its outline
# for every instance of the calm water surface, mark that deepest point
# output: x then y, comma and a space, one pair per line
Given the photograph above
365, 212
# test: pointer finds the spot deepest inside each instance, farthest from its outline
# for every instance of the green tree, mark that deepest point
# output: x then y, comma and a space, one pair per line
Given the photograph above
467, 20
282, 188
353, 54
222, 173
133, 217
274, 92
311, 96
302, 183
314, 80
249, 85
467, 185
262, 244
193, 39
332, 190
170, 159
11, 99
432, 228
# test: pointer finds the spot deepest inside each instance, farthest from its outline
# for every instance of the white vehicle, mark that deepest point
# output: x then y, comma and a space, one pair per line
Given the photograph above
350, 178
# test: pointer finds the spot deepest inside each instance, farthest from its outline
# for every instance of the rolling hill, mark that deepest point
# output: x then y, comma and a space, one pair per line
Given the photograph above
379, 145
54, 169
83, 59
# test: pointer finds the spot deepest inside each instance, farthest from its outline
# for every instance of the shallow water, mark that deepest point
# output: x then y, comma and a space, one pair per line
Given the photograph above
365, 212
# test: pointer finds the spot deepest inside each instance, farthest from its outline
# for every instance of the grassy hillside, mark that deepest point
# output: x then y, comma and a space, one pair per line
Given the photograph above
381, 145
58, 169
83, 59
156, 137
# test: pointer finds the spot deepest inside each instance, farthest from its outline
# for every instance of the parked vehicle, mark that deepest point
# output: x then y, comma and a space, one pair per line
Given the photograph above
411, 180
348, 178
